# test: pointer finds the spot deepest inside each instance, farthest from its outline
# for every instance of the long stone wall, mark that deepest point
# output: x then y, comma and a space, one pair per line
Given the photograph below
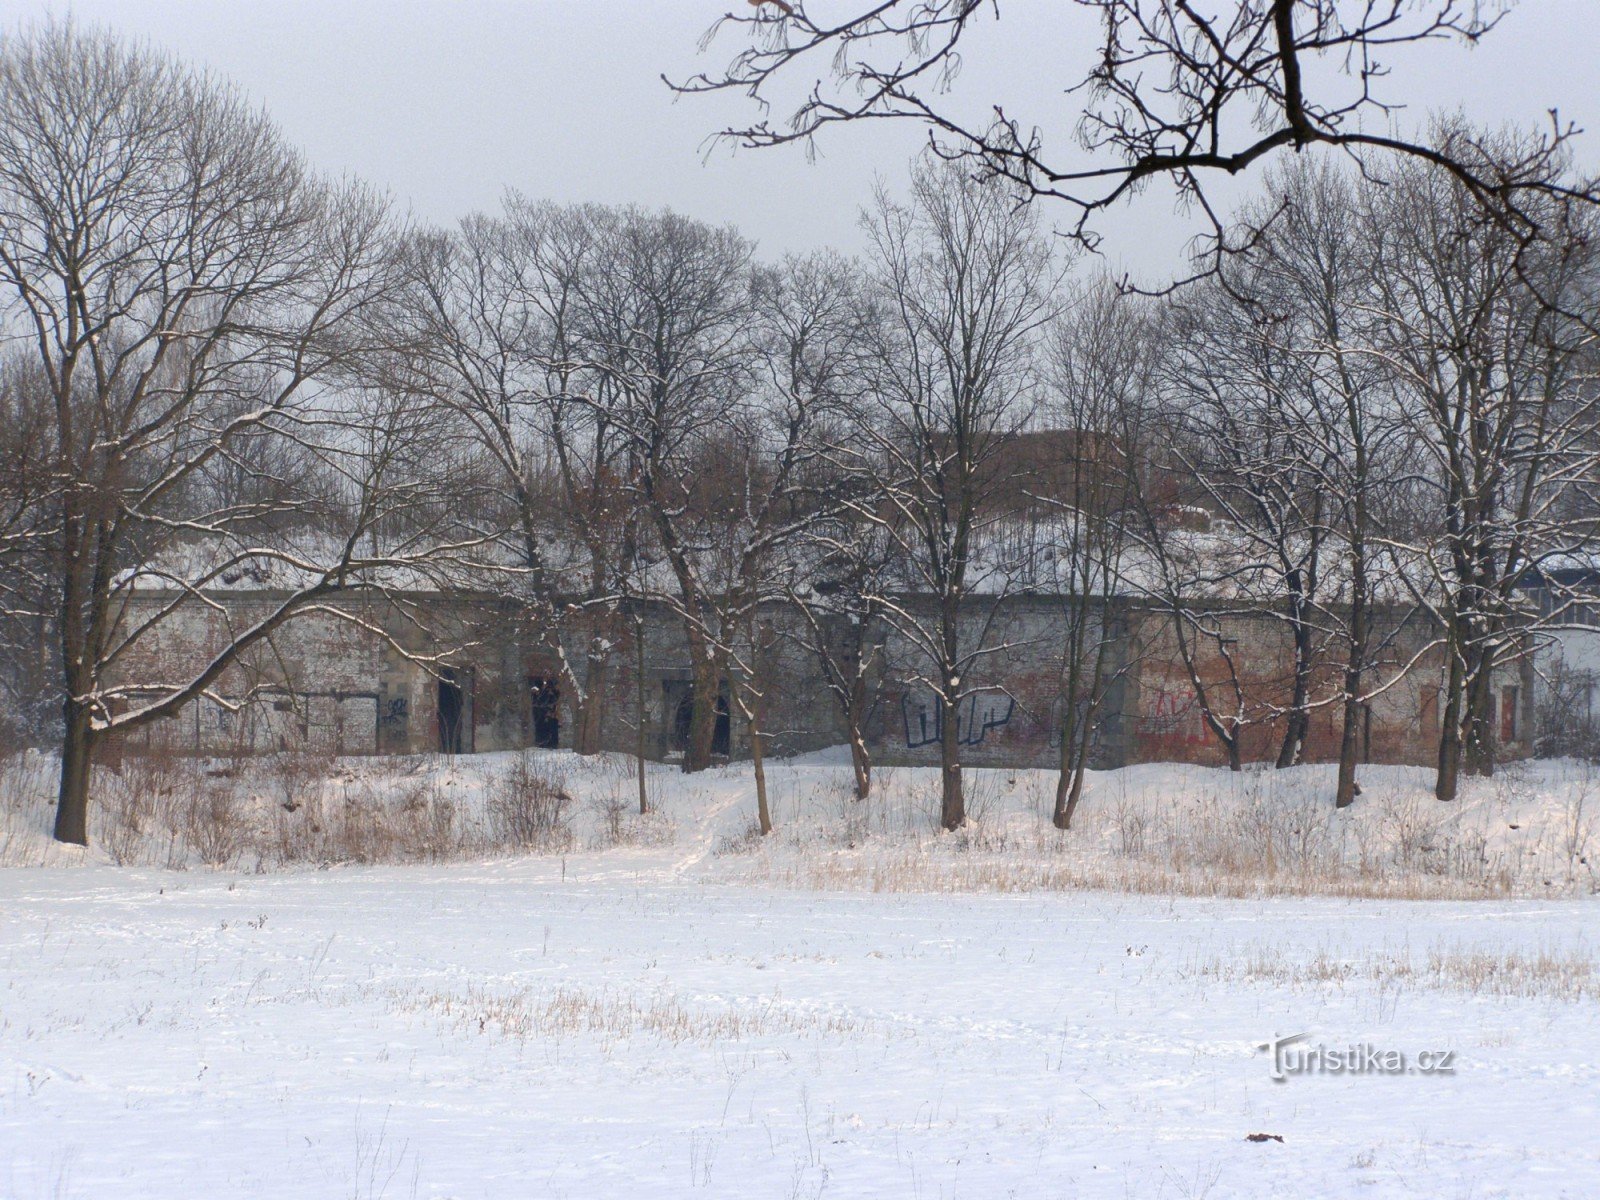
426, 674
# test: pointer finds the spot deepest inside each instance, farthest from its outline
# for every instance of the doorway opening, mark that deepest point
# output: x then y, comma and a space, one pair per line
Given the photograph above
680, 707
455, 718
545, 708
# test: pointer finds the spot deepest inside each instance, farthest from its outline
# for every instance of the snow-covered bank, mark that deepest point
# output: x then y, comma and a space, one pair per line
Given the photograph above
1162, 828
495, 1030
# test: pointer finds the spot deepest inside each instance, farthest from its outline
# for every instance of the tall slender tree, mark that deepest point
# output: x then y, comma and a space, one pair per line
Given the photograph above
966, 281
183, 289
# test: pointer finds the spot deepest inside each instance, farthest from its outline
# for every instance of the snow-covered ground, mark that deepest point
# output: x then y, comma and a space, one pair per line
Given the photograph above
852, 1010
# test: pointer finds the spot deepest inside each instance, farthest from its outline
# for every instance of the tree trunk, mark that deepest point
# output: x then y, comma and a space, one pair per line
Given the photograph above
591, 713
1299, 722
638, 714
1450, 735
1294, 734
1449, 765
77, 752
1070, 773
702, 716
860, 756
953, 806
1344, 791
758, 762
861, 765
1478, 746
1069, 783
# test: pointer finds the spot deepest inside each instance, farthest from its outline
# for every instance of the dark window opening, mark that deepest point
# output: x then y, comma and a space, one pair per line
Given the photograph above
545, 696
719, 732
680, 707
452, 713
1508, 714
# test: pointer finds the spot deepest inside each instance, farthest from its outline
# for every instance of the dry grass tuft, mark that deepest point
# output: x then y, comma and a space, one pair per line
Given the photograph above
1572, 976
527, 1014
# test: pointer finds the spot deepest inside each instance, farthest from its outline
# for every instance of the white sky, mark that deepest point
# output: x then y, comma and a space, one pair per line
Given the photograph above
446, 104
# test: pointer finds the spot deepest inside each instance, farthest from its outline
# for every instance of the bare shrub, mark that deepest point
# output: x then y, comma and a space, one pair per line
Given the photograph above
213, 824
528, 806
747, 841
27, 791
857, 818
611, 812
982, 793
436, 818
619, 824
364, 822
26, 778
1132, 821
150, 793
295, 773
124, 818
1578, 823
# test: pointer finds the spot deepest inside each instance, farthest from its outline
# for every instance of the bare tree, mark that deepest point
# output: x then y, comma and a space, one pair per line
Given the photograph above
28, 581
495, 329
805, 344
668, 323
1491, 381
1313, 278
965, 283
1177, 92
184, 289
1101, 366
1241, 393
1186, 586
849, 566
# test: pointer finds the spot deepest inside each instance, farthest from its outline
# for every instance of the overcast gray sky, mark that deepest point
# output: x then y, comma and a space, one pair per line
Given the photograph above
447, 103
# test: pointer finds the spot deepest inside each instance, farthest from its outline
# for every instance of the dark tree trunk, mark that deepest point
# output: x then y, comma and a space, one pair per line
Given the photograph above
77, 754
1449, 764
861, 766
1298, 724
638, 715
1076, 736
1478, 748
702, 716
758, 762
860, 756
1344, 792
586, 738
1069, 782
1294, 733
953, 814
1445, 786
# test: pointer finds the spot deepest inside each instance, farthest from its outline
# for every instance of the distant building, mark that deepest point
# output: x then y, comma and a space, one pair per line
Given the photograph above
430, 673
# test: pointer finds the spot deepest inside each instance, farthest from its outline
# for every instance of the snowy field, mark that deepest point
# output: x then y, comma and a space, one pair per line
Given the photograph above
860, 1007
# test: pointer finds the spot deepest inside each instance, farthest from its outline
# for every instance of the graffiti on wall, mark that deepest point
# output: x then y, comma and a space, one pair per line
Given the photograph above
979, 715
1174, 714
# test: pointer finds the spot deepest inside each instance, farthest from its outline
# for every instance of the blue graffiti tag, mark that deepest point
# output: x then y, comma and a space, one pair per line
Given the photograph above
971, 726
